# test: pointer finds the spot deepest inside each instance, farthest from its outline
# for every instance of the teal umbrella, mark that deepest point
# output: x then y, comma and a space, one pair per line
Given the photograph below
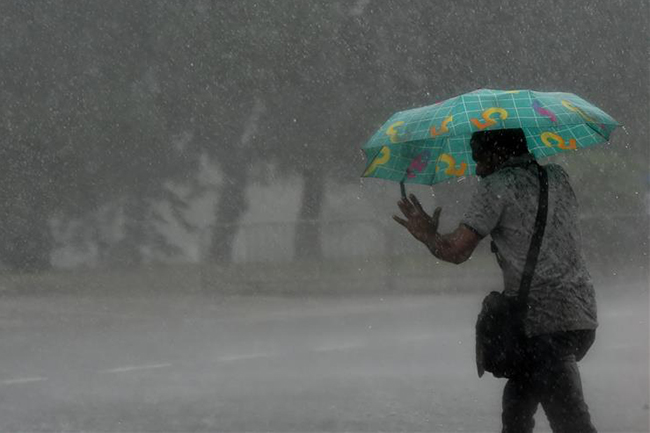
430, 144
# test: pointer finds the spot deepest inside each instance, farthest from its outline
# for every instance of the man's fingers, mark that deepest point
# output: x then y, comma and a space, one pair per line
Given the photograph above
436, 215
404, 208
416, 204
400, 220
408, 206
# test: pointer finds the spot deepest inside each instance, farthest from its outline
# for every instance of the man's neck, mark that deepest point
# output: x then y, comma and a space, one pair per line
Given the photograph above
518, 161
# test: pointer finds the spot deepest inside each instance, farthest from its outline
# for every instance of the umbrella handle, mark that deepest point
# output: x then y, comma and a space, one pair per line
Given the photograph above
402, 189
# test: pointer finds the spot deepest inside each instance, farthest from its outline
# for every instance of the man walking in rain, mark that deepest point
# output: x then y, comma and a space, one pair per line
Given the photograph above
561, 320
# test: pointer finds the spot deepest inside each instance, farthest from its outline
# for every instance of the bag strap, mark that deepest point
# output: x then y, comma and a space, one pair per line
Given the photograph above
536, 241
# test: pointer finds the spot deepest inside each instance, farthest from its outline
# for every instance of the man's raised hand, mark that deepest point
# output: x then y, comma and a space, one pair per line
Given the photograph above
420, 224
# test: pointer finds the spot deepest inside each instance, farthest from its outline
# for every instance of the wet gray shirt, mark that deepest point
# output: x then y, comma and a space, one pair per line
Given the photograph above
561, 296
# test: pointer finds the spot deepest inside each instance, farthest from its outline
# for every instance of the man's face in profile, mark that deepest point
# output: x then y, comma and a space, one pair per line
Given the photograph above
486, 161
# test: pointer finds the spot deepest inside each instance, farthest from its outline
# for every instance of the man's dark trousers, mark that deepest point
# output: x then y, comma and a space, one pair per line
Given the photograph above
550, 377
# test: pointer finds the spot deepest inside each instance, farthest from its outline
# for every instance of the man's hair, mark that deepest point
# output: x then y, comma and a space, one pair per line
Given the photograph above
505, 142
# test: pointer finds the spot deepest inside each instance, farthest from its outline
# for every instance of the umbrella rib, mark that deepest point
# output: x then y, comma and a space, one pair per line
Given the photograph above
549, 128
596, 130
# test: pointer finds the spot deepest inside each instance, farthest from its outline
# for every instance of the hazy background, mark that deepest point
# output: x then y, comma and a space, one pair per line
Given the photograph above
160, 158
144, 131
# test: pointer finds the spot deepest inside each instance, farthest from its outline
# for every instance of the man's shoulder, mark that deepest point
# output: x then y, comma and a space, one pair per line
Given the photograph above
494, 181
557, 171
513, 178
507, 173
557, 167
505, 177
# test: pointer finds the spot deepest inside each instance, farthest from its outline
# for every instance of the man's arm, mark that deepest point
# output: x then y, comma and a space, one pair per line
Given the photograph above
455, 247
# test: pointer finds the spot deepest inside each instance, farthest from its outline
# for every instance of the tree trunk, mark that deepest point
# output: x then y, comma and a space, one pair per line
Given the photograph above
128, 250
230, 208
307, 241
232, 201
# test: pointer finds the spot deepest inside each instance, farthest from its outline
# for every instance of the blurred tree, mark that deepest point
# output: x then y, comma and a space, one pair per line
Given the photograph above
37, 168
320, 97
82, 80
107, 105
130, 146
217, 87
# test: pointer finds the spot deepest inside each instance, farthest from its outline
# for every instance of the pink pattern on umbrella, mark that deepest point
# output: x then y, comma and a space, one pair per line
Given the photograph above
544, 111
419, 163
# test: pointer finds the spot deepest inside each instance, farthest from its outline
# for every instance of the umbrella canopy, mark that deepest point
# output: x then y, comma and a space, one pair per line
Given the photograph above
430, 144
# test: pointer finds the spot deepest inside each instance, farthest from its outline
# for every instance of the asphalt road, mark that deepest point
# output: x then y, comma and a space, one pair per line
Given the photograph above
327, 364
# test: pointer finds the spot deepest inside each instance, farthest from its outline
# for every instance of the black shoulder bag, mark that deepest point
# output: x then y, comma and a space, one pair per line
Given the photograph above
500, 335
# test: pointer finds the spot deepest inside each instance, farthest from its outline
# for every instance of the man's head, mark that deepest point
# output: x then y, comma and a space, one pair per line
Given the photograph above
492, 148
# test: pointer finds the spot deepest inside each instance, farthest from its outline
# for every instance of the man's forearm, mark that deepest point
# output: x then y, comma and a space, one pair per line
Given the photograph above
455, 247
444, 248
